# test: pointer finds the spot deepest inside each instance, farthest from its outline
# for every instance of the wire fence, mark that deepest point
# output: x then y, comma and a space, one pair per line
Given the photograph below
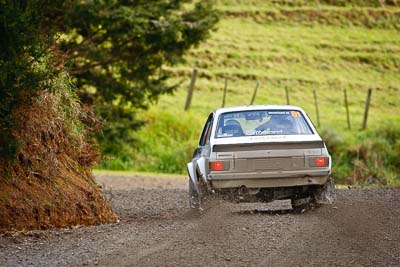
287, 95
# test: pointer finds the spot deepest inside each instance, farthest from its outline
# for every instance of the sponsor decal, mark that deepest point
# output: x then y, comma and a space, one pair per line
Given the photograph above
295, 114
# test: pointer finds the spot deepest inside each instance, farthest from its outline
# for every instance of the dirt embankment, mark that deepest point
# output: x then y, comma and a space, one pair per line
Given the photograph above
157, 229
50, 184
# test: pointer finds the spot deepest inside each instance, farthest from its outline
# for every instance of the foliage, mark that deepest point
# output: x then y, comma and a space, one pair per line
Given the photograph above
372, 158
24, 57
164, 143
116, 51
31, 69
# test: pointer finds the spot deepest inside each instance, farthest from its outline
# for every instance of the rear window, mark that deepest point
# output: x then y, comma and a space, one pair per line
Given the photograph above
262, 122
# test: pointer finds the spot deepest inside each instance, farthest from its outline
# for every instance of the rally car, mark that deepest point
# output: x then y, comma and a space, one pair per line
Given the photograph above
260, 154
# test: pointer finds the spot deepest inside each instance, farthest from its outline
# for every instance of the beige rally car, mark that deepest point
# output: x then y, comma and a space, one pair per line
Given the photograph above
260, 154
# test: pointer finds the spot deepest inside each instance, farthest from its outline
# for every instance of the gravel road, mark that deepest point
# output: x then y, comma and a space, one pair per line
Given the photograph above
157, 229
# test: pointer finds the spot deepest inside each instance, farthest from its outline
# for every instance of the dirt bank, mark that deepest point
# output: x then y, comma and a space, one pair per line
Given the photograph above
157, 229
48, 182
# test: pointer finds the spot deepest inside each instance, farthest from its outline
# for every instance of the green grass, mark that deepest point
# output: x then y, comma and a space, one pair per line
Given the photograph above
302, 58
302, 55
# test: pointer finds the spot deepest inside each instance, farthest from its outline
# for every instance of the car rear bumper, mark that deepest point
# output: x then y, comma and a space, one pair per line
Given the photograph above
268, 180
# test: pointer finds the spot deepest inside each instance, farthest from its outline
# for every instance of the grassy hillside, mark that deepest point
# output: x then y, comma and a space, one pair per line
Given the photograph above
299, 45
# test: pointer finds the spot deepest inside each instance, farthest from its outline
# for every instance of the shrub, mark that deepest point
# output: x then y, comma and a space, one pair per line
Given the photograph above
372, 158
164, 144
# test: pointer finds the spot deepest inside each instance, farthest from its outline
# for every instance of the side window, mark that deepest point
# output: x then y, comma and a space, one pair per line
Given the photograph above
205, 135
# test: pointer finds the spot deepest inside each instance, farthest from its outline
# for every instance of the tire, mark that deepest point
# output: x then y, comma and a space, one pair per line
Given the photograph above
194, 198
326, 194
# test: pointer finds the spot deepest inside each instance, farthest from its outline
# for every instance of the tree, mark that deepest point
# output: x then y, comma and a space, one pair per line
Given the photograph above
113, 49
24, 60
116, 51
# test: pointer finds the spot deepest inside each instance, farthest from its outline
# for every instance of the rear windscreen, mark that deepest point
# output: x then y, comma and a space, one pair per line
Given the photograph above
262, 122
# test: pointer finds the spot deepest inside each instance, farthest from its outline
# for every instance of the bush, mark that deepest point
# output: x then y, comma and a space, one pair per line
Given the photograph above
167, 141
372, 158
24, 63
165, 144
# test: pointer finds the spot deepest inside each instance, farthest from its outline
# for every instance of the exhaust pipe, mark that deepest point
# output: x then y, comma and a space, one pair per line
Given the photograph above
243, 190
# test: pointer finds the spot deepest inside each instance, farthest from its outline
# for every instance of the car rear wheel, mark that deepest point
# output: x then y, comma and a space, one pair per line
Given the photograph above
194, 198
326, 194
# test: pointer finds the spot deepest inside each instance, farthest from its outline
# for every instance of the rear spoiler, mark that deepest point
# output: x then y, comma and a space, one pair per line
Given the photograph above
269, 146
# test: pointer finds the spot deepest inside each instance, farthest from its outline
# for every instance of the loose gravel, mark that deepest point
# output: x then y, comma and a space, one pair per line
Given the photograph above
156, 228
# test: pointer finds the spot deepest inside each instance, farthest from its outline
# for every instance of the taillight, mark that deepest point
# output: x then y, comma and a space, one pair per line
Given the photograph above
321, 161
216, 165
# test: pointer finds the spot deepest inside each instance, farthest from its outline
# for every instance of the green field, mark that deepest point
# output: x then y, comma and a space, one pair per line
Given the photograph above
299, 45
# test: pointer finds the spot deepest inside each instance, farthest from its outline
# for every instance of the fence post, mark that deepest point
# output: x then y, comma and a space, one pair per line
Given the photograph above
287, 96
316, 107
191, 88
255, 93
224, 96
367, 102
346, 104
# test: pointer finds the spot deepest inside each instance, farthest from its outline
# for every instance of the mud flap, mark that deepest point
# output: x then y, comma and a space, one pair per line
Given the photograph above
192, 176
326, 194
194, 192
201, 164
194, 198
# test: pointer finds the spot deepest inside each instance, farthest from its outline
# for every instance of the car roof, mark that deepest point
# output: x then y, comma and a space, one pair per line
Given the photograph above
256, 107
